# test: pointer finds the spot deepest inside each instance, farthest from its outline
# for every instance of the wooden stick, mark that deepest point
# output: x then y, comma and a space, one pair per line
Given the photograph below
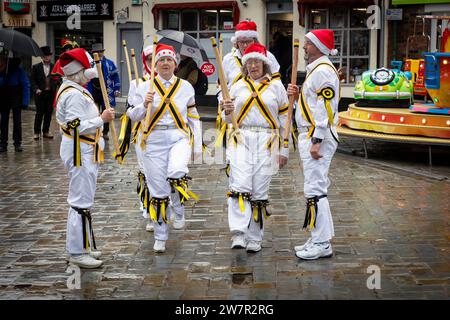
127, 59
223, 82
106, 100
136, 75
287, 126
135, 70
152, 78
220, 47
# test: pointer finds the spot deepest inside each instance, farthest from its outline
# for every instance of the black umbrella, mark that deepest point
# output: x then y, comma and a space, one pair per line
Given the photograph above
183, 43
18, 42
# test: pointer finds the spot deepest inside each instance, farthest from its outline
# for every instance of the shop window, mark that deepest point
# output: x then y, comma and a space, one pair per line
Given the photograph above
90, 33
351, 37
203, 24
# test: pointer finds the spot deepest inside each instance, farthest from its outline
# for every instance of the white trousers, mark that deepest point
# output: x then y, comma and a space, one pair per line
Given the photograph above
251, 169
166, 155
317, 182
140, 161
82, 184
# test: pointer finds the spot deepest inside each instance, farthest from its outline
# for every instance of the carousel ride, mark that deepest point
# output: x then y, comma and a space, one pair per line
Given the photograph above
385, 107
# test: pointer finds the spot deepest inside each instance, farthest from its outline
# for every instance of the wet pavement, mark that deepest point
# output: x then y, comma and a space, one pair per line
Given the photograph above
387, 215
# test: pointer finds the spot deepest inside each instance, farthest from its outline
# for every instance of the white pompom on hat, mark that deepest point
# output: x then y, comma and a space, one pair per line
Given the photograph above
257, 51
323, 39
75, 60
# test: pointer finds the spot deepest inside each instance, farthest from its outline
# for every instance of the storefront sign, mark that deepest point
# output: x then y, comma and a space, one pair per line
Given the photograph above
228, 25
17, 20
208, 68
17, 7
394, 14
89, 10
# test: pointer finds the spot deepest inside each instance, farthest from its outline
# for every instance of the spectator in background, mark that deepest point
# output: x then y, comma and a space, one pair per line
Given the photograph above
282, 50
15, 93
112, 83
44, 89
187, 70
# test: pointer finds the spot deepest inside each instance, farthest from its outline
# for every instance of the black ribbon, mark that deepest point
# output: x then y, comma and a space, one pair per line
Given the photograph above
309, 203
86, 215
260, 204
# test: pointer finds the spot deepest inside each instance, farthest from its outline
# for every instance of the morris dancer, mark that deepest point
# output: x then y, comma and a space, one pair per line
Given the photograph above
317, 117
260, 105
245, 35
81, 152
167, 138
142, 188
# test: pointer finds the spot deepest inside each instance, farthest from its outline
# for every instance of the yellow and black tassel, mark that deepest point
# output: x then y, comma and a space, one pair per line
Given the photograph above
86, 215
73, 125
241, 196
259, 210
98, 154
311, 212
135, 131
160, 212
181, 185
124, 138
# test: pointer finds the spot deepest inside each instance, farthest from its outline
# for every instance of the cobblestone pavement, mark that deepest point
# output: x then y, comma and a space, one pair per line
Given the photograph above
393, 219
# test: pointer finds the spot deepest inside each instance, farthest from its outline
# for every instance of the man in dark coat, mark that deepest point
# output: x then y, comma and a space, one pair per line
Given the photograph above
15, 93
44, 89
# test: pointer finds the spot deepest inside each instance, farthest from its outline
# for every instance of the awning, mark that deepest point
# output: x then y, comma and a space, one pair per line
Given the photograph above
197, 5
303, 4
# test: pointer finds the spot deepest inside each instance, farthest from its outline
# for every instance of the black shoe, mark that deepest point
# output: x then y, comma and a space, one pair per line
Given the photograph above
18, 148
3, 149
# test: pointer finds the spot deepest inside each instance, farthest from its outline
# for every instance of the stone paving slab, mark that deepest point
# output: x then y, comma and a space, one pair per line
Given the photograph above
395, 220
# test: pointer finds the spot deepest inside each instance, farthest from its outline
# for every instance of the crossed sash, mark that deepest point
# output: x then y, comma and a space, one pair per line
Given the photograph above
166, 103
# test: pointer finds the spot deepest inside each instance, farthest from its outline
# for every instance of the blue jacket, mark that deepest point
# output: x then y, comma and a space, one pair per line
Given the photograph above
112, 82
15, 85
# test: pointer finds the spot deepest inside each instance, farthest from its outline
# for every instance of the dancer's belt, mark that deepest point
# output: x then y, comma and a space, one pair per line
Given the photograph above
165, 127
257, 129
86, 138
303, 129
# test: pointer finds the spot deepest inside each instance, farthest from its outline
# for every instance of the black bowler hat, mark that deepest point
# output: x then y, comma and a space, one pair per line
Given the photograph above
97, 47
46, 51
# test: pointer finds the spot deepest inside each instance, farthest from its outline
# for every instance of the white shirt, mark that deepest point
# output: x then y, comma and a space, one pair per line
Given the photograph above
322, 77
274, 97
77, 103
183, 97
46, 69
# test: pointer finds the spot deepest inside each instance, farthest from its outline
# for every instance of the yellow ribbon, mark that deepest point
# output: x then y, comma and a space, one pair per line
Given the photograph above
241, 203
311, 222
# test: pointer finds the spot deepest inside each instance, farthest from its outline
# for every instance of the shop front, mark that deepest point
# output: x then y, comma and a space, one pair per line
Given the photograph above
60, 25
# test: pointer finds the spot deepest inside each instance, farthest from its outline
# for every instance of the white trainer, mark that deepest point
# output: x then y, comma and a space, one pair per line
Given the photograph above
85, 261
159, 246
179, 223
253, 246
315, 251
95, 254
238, 241
150, 227
305, 245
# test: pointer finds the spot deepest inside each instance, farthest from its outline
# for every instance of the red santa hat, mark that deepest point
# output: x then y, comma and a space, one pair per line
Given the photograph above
75, 60
245, 29
147, 51
257, 51
323, 39
163, 50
